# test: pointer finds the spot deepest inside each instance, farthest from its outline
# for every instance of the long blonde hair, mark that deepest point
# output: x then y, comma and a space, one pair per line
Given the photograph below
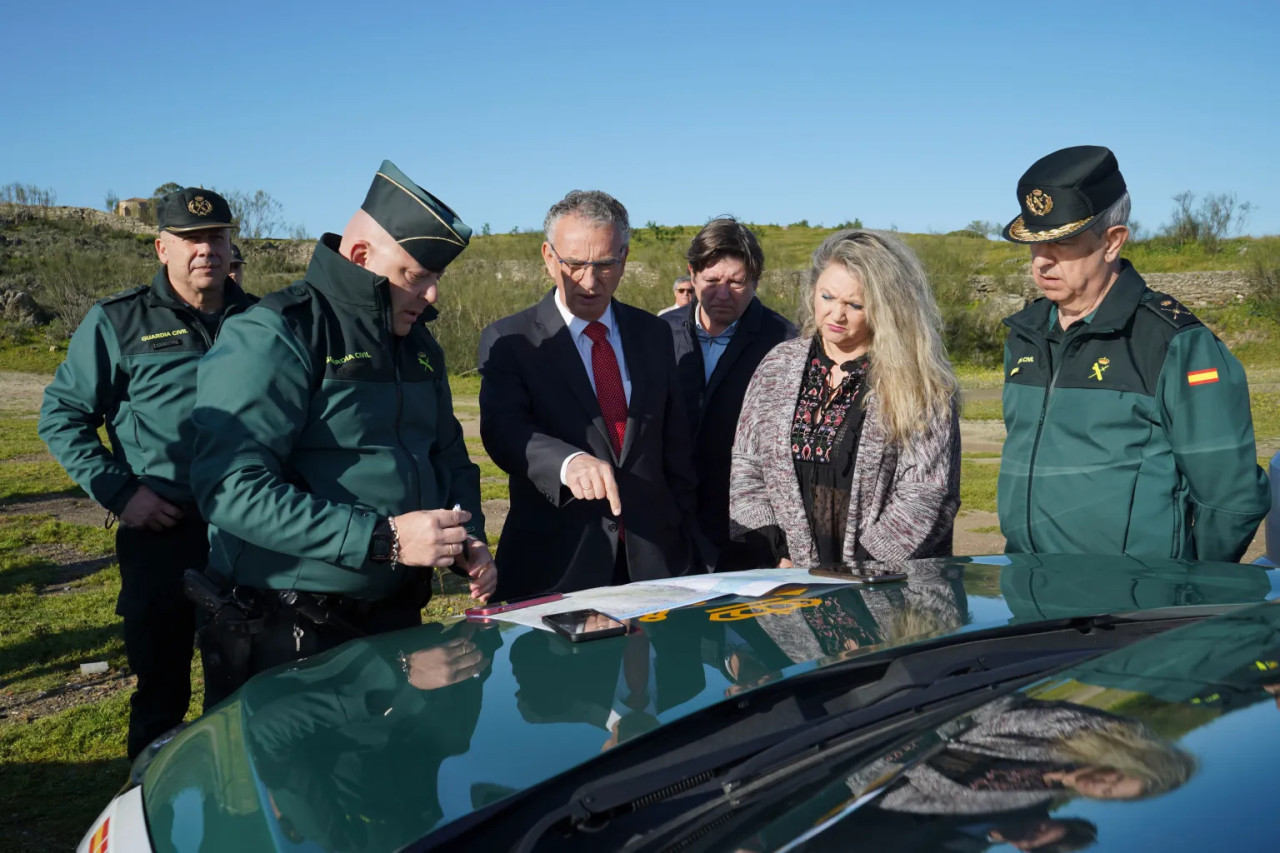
910, 374
1128, 747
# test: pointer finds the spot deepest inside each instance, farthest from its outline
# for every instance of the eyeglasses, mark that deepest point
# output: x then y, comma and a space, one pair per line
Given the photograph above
605, 267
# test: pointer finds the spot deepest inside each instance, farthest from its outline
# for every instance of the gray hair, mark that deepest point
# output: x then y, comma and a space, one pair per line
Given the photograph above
596, 207
681, 280
1116, 214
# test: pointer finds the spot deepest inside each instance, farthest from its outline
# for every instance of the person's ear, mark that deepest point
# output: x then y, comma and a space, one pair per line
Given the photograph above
1116, 237
360, 252
162, 251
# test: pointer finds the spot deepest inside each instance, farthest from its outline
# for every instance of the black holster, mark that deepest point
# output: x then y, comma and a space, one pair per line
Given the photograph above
225, 627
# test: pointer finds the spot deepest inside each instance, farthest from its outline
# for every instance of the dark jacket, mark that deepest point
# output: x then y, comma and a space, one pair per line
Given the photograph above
131, 364
537, 407
313, 420
713, 405
1137, 440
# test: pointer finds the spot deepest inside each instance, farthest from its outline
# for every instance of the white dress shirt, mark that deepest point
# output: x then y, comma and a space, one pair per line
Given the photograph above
578, 332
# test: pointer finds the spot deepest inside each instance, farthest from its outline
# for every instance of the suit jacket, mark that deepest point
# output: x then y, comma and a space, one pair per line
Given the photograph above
713, 405
537, 407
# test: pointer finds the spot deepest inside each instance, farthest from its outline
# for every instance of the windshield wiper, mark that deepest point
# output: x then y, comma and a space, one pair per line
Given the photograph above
715, 753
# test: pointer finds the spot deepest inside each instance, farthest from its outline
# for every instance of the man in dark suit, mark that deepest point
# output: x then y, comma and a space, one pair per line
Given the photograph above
720, 339
580, 405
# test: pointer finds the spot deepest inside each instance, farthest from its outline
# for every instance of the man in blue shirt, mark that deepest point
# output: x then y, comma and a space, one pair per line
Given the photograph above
719, 341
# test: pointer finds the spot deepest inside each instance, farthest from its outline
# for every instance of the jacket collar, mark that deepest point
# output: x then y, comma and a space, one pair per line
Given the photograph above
162, 293
351, 284
1117, 306
750, 320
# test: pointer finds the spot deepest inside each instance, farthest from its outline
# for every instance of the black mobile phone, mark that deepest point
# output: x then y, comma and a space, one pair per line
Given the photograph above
858, 574
582, 625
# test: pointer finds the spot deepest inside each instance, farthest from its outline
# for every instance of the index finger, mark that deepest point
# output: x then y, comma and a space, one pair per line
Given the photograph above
460, 515
611, 491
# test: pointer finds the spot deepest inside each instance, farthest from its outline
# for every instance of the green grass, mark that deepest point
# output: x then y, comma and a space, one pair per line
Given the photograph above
28, 480
1266, 415
31, 358
983, 410
978, 485
18, 438
58, 772
44, 637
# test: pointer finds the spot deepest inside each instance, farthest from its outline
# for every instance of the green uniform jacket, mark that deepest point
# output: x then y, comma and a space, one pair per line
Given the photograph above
131, 364
1137, 440
312, 421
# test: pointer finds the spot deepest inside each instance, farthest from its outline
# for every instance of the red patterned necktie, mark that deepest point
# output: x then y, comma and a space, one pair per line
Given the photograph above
608, 378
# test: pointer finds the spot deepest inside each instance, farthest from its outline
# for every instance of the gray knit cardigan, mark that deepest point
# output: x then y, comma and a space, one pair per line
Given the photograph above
903, 500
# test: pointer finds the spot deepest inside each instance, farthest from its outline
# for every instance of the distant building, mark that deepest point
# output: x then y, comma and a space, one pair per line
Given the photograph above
135, 208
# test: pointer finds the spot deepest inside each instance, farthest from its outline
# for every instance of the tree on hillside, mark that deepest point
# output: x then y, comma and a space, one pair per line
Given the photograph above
111, 201
983, 227
1217, 217
258, 215
164, 189
28, 194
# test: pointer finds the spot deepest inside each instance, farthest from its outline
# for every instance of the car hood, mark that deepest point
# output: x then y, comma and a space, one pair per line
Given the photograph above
378, 742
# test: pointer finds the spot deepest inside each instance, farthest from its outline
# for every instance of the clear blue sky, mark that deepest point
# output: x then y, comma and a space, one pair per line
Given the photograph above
916, 115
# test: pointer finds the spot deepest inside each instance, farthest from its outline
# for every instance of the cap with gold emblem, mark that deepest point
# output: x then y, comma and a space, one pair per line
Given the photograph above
424, 225
192, 209
1064, 192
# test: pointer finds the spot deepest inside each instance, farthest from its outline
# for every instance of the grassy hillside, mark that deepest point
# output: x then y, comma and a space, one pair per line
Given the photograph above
67, 263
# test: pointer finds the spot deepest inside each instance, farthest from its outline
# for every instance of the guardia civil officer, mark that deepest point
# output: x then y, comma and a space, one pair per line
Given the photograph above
1128, 421
328, 458
132, 365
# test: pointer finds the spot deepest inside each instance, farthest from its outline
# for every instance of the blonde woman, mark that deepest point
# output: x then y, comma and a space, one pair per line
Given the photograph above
848, 445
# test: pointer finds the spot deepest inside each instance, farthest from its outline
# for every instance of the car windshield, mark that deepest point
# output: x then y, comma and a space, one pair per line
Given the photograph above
1173, 742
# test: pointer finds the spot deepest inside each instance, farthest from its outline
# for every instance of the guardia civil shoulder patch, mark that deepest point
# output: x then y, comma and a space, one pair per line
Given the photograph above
1202, 377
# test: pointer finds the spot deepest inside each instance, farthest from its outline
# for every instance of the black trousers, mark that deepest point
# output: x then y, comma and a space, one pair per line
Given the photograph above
159, 622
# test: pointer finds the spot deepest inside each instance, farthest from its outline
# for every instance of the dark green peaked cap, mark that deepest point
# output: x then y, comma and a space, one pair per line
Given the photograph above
1063, 193
192, 209
421, 223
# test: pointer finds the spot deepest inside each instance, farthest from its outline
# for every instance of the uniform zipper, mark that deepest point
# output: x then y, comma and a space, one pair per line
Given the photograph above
394, 347
1044, 410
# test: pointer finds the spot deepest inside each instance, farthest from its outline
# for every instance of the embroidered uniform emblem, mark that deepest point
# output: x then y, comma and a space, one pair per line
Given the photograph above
1174, 307
1099, 367
425, 362
1202, 377
1039, 202
200, 206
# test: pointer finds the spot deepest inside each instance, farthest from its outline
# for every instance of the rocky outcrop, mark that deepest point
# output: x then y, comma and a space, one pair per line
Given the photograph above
18, 307
1191, 288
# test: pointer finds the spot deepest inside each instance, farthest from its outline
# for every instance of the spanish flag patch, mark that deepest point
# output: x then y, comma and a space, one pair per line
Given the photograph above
101, 838
1202, 377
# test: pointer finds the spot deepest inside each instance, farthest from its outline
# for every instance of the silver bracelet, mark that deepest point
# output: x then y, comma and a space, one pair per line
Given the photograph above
395, 543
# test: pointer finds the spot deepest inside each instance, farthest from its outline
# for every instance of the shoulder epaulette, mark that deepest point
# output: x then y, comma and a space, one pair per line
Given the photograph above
1171, 310
282, 299
124, 294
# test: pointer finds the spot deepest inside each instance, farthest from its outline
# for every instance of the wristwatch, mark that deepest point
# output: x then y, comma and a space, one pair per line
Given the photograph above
382, 545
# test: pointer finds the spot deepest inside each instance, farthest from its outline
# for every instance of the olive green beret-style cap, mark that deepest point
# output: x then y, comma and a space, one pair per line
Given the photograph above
424, 225
192, 209
1063, 193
